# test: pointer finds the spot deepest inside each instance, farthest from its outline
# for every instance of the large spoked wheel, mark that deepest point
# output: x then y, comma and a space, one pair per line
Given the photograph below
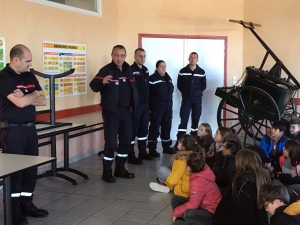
248, 109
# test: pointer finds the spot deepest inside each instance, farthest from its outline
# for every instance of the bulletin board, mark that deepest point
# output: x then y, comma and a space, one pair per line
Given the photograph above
2, 53
61, 57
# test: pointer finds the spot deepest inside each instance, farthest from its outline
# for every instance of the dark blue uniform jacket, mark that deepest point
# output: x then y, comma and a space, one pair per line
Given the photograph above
110, 92
161, 92
141, 77
191, 83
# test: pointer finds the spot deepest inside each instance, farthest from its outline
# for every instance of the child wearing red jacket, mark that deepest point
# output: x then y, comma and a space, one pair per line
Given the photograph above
204, 193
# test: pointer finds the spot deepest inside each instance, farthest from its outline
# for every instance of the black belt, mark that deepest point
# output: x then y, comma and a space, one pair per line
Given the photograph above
21, 124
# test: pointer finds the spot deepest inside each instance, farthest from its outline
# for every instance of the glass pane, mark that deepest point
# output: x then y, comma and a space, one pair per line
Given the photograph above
90, 5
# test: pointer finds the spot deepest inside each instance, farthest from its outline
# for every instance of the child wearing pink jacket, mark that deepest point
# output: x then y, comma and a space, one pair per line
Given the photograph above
204, 193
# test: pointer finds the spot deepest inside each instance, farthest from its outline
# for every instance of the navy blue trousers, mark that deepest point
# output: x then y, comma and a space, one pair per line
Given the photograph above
140, 124
117, 128
21, 141
188, 106
160, 121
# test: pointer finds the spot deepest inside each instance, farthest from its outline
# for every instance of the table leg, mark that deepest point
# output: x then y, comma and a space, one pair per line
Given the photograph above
53, 154
7, 201
66, 159
53, 171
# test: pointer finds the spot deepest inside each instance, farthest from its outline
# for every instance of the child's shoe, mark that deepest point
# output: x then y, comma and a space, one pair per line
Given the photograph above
159, 187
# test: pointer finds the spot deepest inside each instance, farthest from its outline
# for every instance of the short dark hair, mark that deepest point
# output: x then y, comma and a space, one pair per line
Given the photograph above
295, 121
261, 152
159, 62
293, 148
194, 53
274, 190
233, 145
139, 49
118, 47
279, 125
17, 51
196, 162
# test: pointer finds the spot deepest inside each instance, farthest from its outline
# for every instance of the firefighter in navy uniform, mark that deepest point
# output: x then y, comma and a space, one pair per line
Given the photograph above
191, 82
119, 96
20, 92
161, 103
140, 119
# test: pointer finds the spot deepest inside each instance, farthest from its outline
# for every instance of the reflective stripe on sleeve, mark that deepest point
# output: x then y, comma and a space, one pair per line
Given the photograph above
185, 74
199, 75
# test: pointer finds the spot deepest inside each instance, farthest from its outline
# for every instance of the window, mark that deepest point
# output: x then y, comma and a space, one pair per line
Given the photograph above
90, 7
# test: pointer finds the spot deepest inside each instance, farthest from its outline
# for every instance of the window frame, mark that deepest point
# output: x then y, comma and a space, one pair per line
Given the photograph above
71, 8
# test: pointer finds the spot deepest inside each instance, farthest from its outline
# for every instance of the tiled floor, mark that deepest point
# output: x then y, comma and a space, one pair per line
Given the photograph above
94, 202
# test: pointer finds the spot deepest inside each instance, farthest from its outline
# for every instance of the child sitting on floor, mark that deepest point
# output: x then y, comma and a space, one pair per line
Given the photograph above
294, 129
273, 143
200, 207
229, 152
290, 175
275, 198
240, 203
204, 136
177, 178
214, 157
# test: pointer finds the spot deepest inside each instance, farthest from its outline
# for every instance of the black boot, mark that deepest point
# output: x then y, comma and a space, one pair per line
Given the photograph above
120, 171
107, 175
169, 150
153, 153
107, 172
143, 151
17, 216
175, 149
132, 159
29, 209
146, 156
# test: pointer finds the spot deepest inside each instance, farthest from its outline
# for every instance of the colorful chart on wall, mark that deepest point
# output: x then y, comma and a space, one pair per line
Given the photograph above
2, 53
60, 57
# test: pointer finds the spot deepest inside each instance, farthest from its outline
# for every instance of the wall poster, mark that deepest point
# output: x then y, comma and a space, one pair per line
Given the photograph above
2, 53
60, 57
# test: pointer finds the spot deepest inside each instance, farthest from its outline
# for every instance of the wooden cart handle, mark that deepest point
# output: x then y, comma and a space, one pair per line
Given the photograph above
246, 23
